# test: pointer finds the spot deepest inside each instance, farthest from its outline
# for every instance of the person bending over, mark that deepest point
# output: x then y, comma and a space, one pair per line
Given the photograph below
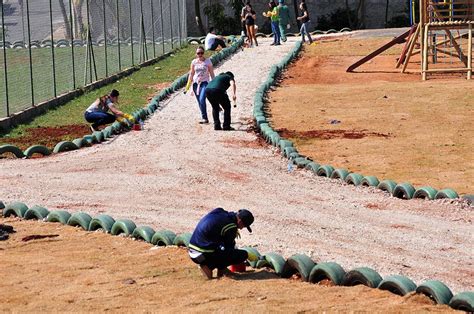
216, 93
212, 243
213, 41
97, 113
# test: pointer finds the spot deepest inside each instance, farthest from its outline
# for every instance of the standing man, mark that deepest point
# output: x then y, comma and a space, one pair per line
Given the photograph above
212, 244
216, 93
284, 22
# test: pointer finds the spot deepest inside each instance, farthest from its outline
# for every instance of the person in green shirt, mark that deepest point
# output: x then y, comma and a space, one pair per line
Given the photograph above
216, 93
274, 18
284, 19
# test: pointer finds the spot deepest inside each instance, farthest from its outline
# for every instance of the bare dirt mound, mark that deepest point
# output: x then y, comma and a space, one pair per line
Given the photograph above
67, 269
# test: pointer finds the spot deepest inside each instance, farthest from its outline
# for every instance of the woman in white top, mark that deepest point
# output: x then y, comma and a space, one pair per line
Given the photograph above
200, 74
97, 113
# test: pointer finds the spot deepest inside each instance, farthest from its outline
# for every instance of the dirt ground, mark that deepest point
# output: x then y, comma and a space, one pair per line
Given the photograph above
384, 123
78, 271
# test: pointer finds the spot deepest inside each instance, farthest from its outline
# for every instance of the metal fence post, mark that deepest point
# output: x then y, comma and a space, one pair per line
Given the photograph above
171, 26
118, 35
162, 27
5, 63
131, 30
29, 51
52, 47
153, 28
179, 24
72, 46
105, 41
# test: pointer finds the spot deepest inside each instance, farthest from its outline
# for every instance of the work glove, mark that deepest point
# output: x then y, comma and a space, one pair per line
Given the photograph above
188, 86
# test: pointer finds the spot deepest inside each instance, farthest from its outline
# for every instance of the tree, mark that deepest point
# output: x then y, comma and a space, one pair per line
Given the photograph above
67, 25
361, 14
78, 21
197, 9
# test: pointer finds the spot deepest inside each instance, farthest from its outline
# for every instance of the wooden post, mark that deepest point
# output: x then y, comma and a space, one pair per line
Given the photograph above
413, 41
425, 52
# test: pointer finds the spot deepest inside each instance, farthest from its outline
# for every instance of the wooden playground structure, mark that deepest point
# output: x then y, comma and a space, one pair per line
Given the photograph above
442, 36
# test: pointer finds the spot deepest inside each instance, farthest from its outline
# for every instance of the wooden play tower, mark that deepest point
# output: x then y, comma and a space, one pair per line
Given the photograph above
443, 37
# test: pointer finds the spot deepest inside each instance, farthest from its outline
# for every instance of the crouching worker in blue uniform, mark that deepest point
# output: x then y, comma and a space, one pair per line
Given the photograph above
212, 244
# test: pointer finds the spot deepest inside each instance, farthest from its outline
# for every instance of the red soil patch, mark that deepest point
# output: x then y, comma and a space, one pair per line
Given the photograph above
48, 136
243, 143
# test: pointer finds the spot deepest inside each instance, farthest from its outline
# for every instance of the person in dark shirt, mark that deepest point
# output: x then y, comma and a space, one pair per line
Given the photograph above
216, 93
212, 244
304, 19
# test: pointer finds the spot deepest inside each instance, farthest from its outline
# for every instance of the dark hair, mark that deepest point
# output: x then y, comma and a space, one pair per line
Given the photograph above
248, 3
303, 5
114, 93
200, 47
211, 29
272, 4
230, 74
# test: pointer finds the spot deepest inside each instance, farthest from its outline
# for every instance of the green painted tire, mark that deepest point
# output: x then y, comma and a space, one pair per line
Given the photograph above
64, 146
325, 171
11, 149
285, 143
446, 193
163, 238
426, 192
313, 166
104, 222
301, 162
293, 156
81, 142
144, 233
404, 191
80, 219
276, 262
340, 174
468, 197
36, 212
370, 181
436, 291
60, 216
90, 139
287, 151
362, 276
354, 179
125, 226
261, 263
17, 209
397, 284
2, 206
253, 264
298, 264
182, 239
330, 270
387, 186
99, 136
108, 131
463, 301
37, 149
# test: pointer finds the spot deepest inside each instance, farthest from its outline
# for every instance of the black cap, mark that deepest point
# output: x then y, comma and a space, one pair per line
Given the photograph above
230, 74
246, 217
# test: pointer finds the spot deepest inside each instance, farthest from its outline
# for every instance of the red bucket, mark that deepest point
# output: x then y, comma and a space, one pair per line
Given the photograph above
238, 268
136, 127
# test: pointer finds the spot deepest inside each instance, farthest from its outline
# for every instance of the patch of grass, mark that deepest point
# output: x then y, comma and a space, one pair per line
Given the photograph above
135, 91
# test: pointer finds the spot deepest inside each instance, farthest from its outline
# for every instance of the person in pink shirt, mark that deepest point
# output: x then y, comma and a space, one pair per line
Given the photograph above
200, 74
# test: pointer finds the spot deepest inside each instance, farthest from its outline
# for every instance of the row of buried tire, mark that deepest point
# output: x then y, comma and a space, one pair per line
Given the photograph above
200, 40
400, 190
116, 127
299, 265
61, 43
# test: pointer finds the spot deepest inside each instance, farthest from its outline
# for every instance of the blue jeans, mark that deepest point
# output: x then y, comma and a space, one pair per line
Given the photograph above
98, 118
304, 30
276, 32
201, 98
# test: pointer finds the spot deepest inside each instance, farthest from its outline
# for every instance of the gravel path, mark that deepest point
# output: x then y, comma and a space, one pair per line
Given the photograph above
175, 170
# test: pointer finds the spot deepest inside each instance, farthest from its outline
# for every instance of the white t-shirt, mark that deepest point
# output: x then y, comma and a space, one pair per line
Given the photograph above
209, 41
95, 106
201, 70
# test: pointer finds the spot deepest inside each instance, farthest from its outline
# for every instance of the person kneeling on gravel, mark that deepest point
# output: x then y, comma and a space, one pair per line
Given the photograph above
216, 93
212, 244
97, 113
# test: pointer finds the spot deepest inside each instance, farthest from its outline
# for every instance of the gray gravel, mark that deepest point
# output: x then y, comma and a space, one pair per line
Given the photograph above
175, 170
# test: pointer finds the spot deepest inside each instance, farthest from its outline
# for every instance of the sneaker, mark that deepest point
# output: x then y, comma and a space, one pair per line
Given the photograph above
204, 121
206, 271
272, 44
224, 272
229, 129
217, 128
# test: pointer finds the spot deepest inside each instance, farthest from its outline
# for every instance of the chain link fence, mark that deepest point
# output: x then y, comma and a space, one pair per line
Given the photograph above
50, 47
